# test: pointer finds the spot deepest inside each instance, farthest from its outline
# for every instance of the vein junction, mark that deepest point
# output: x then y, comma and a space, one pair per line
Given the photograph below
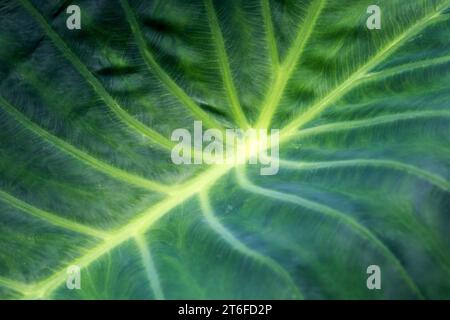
136, 227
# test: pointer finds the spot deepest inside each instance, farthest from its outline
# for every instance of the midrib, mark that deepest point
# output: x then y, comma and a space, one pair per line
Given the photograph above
134, 228
139, 225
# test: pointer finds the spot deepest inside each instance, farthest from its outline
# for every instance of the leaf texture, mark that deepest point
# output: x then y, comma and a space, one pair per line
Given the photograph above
86, 176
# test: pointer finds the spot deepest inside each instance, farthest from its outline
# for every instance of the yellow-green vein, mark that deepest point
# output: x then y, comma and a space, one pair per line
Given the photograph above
334, 214
123, 115
14, 285
135, 227
287, 67
270, 35
355, 78
50, 217
150, 267
224, 65
395, 165
216, 225
357, 124
407, 67
82, 156
153, 65
150, 217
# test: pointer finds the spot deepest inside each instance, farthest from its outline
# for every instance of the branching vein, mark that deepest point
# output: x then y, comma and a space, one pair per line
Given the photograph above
216, 225
287, 67
334, 214
80, 155
50, 217
135, 227
225, 70
114, 106
355, 78
150, 268
153, 65
357, 124
270, 35
395, 165
13, 285
373, 76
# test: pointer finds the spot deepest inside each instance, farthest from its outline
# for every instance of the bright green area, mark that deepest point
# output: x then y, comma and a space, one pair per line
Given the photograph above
85, 171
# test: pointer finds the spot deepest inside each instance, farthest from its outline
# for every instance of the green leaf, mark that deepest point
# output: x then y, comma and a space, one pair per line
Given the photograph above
87, 179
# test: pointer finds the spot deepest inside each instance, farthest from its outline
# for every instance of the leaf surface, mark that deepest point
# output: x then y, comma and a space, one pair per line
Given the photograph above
87, 179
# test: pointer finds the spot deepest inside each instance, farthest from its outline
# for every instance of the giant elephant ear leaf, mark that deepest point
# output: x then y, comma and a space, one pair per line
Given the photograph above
87, 179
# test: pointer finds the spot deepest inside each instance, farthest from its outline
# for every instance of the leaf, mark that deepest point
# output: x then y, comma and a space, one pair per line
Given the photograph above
87, 179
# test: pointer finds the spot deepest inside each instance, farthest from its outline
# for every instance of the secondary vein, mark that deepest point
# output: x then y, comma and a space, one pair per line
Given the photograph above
80, 155
335, 214
287, 67
153, 65
361, 72
224, 65
216, 225
123, 115
51, 217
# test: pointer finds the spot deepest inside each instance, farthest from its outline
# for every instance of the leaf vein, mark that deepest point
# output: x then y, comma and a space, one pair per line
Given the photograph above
287, 67
220, 229
150, 268
332, 213
162, 75
354, 80
357, 124
270, 35
224, 65
80, 155
133, 228
50, 217
99, 89
410, 169
406, 68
